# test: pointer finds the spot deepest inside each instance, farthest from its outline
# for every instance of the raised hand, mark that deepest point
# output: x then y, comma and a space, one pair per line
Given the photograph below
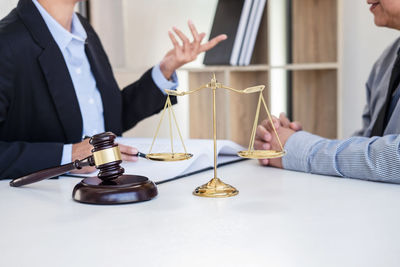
187, 51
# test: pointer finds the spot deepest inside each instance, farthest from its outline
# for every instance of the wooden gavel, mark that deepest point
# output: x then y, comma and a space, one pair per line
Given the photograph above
105, 156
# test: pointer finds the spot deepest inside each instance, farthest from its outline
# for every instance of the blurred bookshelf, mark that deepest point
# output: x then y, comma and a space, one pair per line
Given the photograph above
308, 69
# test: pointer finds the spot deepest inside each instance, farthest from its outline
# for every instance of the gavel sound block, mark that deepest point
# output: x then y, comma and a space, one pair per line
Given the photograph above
110, 186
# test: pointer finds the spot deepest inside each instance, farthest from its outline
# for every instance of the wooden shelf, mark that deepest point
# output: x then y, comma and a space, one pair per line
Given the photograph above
235, 112
264, 67
314, 31
260, 67
314, 101
308, 66
312, 71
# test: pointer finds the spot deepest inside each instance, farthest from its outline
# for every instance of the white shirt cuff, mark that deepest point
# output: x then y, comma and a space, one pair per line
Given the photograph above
67, 154
161, 82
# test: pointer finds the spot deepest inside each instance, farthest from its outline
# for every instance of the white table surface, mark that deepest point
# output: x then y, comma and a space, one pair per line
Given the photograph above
279, 218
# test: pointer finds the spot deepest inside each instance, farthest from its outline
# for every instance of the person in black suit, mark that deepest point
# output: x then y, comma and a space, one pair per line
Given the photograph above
39, 110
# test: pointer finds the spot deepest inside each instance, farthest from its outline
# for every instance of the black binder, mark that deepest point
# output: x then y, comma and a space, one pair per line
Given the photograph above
226, 21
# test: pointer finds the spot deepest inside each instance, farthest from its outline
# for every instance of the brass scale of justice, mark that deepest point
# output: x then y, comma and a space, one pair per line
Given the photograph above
215, 187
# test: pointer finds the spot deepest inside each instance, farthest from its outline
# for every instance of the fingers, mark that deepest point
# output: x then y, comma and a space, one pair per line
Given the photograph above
201, 36
267, 125
185, 40
213, 42
127, 157
264, 123
173, 40
196, 39
262, 134
296, 126
285, 122
260, 145
127, 149
276, 162
264, 162
81, 150
276, 122
193, 29
128, 153
188, 50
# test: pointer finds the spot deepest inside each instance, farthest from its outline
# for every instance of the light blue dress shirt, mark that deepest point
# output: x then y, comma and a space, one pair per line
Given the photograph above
374, 158
361, 156
72, 46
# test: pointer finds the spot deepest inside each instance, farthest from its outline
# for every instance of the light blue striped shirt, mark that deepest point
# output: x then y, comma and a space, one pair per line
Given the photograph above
361, 156
375, 158
72, 46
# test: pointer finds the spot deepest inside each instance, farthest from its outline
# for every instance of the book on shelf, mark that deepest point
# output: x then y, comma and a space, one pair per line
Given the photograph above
227, 20
250, 37
240, 20
240, 34
161, 171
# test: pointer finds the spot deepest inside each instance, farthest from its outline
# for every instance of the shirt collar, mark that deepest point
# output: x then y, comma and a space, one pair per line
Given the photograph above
59, 33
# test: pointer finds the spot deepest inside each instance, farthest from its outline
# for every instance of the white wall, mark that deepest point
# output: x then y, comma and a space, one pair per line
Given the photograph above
6, 6
135, 36
362, 43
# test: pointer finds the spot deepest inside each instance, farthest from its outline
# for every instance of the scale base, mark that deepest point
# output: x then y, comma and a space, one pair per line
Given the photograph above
124, 189
215, 188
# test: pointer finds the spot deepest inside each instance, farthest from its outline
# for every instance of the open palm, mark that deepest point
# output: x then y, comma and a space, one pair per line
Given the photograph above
188, 50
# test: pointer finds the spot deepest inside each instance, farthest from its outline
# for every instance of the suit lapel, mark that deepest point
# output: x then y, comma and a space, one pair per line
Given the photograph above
62, 91
55, 71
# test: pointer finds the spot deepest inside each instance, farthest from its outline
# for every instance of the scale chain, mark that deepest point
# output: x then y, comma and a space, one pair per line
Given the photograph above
159, 124
272, 123
170, 126
253, 134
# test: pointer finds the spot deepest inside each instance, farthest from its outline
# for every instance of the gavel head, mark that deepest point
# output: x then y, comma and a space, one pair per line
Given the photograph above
106, 155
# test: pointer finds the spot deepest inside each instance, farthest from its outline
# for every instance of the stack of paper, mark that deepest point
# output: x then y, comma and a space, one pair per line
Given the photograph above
202, 150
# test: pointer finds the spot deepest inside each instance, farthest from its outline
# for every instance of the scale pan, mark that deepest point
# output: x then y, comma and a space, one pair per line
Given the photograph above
169, 156
261, 154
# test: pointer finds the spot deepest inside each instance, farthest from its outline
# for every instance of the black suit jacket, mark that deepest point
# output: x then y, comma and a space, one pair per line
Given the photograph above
39, 110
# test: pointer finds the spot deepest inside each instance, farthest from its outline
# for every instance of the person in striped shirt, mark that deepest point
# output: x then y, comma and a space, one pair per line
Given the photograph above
373, 153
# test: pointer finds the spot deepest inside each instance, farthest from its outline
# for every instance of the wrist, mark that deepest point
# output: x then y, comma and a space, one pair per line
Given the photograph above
166, 70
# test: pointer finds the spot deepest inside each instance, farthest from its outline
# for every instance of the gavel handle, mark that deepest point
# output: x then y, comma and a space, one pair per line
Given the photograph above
52, 172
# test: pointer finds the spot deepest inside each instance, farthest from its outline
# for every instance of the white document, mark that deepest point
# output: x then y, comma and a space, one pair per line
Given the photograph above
202, 150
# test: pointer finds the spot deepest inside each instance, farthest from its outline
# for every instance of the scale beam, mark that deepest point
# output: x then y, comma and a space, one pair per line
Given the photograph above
215, 187
182, 93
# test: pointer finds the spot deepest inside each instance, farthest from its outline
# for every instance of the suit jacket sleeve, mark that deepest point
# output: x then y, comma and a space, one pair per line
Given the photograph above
366, 115
141, 99
20, 158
